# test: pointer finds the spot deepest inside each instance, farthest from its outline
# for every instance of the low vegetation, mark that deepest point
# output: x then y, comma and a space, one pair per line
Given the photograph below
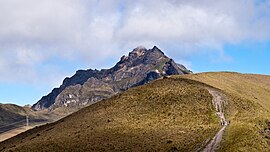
13, 116
247, 109
253, 87
166, 115
171, 114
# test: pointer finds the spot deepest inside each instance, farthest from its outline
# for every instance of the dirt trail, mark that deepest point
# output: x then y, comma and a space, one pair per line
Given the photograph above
13, 132
218, 103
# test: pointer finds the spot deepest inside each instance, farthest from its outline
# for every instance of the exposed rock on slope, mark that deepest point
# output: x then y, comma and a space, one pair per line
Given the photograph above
89, 86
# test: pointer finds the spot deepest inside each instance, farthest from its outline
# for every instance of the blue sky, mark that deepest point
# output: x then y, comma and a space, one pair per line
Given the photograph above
243, 58
42, 42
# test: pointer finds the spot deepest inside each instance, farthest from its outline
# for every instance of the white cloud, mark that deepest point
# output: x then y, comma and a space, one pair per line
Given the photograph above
33, 32
200, 23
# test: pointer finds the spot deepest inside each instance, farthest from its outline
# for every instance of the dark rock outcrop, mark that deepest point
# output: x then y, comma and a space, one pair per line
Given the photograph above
89, 86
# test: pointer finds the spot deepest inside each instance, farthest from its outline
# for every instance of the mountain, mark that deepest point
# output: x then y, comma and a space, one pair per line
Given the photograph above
175, 113
89, 86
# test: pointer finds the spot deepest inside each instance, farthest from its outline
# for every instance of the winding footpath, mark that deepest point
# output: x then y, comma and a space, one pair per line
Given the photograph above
218, 103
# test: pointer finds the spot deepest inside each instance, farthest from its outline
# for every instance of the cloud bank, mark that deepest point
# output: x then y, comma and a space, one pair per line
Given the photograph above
33, 33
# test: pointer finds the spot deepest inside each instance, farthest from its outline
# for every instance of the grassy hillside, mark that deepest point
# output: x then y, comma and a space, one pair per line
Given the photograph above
13, 116
248, 109
10, 113
253, 87
166, 115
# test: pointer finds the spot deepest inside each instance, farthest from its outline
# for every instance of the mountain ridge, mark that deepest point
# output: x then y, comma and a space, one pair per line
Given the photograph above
88, 86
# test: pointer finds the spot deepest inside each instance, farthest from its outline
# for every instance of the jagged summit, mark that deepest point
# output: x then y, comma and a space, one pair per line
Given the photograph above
140, 52
139, 49
88, 86
141, 55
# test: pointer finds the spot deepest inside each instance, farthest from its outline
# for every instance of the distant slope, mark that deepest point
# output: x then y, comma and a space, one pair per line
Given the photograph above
253, 87
10, 113
12, 116
247, 109
89, 86
165, 115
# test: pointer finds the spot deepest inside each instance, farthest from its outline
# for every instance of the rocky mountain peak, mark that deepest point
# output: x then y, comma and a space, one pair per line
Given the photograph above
156, 49
140, 50
88, 86
133, 55
141, 55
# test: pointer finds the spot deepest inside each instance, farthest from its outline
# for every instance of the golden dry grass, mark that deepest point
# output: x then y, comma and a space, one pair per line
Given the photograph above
253, 87
13, 132
166, 115
248, 108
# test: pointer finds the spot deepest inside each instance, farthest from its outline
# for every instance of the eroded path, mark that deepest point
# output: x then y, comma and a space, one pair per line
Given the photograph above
13, 132
218, 102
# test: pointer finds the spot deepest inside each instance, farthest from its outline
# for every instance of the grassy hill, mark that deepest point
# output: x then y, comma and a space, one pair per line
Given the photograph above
172, 114
13, 116
248, 109
253, 87
169, 114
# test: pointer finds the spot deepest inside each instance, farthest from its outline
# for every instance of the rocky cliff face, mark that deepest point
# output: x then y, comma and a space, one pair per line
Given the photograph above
89, 86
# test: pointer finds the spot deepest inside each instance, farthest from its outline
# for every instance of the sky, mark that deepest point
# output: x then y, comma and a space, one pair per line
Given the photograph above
44, 41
